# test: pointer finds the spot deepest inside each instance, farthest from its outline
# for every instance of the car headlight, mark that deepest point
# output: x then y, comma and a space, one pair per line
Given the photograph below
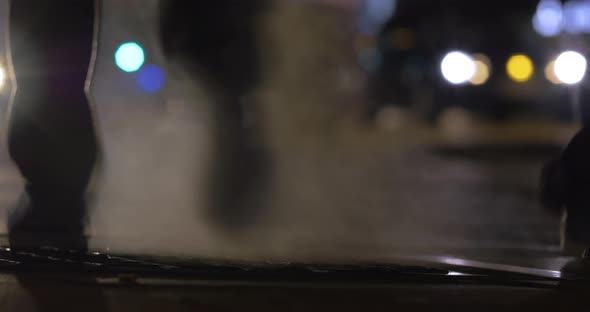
570, 67
457, 67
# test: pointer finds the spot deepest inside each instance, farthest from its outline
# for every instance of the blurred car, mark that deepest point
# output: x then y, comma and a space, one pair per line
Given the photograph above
486, 57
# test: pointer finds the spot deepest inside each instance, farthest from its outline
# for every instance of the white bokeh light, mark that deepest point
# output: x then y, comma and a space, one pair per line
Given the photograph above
2, 76
548, 20
457, 67
570, 67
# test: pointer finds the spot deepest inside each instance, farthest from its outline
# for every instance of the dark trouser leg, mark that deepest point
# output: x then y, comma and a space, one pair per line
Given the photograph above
239, 167
51, 136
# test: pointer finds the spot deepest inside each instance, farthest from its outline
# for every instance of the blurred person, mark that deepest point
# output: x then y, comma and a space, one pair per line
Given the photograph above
51, 135
565, 190
216, 42
231, 47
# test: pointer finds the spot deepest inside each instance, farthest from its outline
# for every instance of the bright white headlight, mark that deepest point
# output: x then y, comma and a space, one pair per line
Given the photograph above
2, 76
457, 67
570, 67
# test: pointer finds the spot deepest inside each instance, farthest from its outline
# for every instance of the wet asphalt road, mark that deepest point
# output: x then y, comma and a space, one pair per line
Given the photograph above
365, 196
438, 204
331, 202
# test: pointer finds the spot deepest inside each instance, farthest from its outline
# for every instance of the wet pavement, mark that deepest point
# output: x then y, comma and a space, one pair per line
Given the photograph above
359, 193
344, 199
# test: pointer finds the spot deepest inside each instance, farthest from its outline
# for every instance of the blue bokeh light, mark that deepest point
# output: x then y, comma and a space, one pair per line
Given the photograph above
151, 78
129, 57
548, 20
576, 17
374, 14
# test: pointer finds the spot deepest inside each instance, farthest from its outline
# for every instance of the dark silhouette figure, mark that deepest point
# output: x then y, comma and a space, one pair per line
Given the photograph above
565, 185
576, 181
216, 41
51, 135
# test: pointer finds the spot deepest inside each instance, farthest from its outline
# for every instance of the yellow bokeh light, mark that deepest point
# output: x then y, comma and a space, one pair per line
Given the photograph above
482, 69
550, 73
520, 68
